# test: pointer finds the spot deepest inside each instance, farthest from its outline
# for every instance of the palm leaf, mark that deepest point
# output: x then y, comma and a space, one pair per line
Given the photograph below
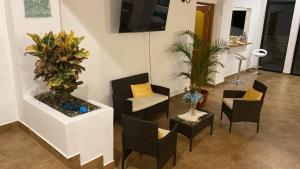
200, 57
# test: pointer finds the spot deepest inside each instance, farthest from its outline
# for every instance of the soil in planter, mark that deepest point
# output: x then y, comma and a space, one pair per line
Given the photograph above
71, 107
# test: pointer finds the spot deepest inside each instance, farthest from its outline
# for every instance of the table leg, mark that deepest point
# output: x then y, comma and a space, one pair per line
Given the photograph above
211, 128
191, 144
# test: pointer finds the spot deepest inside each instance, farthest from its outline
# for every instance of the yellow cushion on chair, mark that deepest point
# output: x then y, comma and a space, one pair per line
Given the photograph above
141, 90
162, 133
253, 94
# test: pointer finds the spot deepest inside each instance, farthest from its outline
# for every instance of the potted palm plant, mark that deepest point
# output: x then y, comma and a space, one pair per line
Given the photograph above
200, 59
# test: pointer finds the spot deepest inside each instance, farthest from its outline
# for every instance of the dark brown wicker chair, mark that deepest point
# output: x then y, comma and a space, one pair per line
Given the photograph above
142, 136
122, 91
243, 110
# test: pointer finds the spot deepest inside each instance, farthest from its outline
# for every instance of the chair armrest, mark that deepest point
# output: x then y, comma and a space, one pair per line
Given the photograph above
171, 135
246, 110
167, 146
122, 105
161, 90
233, 93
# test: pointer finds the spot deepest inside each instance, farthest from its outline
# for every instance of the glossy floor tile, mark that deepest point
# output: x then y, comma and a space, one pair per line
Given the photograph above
277, 146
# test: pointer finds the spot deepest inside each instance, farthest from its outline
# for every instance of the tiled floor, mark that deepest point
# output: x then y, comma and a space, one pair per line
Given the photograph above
20, 151
277, 146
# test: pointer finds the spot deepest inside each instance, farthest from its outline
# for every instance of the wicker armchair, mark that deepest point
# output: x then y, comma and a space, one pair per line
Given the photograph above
240, 110
122, 95
142, 136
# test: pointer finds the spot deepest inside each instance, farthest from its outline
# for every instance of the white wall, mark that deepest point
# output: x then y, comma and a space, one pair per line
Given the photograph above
115, 55
8, 102
293, 39
166, 65
22, 26
23, 66
221, 30
258, 9
253, 27
208, 1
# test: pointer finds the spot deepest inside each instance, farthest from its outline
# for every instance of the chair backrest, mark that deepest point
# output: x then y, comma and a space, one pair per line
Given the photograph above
139, 135
260, 87
121, 87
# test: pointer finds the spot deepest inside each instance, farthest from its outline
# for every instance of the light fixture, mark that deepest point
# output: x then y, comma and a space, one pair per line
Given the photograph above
187, 1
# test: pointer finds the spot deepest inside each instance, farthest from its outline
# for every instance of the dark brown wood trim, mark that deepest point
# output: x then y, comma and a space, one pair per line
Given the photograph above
110, 165
9, 126
207, 32
97, 163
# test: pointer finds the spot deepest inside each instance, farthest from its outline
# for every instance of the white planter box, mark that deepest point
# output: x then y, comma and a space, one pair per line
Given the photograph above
90, 135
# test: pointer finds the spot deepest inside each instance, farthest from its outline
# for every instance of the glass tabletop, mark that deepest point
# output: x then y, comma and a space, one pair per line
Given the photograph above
192, 123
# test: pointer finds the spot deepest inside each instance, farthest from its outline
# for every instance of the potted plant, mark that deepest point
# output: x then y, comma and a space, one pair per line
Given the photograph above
200, 59
59, 58
192, 97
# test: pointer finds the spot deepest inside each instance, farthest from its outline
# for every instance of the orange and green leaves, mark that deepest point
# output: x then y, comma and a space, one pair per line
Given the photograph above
59, 59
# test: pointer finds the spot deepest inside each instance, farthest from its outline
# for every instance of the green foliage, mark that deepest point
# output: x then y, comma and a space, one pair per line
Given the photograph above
200, 58
59, 57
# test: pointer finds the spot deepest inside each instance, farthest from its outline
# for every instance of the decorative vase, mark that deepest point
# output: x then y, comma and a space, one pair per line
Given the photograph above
192, 109
192, 97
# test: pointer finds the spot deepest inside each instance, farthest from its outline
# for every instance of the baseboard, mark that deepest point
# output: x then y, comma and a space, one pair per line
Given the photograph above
96, 163
110, 165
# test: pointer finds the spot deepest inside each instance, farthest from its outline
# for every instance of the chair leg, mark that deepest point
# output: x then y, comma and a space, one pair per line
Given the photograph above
191, 144
174, 162
123, 161
230, 127
158, 165
221, 115
257, 130
167, 113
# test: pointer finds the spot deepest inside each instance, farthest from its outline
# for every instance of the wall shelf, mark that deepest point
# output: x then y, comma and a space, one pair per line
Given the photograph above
239, 45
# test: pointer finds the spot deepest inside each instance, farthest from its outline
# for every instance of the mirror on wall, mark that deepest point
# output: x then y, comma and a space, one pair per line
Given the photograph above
238, 22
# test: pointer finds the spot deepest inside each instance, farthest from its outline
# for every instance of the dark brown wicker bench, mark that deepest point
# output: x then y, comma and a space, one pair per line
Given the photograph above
122, 92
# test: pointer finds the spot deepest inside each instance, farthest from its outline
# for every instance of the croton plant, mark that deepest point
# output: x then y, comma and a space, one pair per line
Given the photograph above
59, 59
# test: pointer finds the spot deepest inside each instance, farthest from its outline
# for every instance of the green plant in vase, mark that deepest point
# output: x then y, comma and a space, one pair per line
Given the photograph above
58, 63
59, 58
200, 58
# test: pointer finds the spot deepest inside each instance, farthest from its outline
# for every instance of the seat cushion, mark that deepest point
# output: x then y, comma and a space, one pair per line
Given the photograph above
229, 101
253, 94
162, 133
141, 90
146, 102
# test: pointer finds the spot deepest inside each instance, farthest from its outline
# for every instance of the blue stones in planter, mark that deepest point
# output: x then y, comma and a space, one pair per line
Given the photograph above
83, 109
74, 107
70, 106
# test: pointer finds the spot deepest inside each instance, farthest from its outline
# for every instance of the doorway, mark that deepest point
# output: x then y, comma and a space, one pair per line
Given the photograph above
277, 26
204, 21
